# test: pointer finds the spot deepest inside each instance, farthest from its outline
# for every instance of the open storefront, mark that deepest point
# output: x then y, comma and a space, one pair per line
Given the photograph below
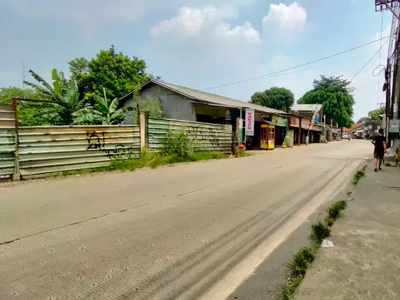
281, 125
294, 124
315, 133
305, 126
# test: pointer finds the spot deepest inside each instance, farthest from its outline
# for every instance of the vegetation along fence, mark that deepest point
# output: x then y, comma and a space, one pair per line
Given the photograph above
32, 151
205, 136
7, 141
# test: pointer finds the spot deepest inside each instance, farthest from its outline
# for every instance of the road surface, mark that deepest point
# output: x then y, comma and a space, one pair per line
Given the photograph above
191, 231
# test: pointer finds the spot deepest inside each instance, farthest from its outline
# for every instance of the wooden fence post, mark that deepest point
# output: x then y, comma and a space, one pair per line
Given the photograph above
142, 128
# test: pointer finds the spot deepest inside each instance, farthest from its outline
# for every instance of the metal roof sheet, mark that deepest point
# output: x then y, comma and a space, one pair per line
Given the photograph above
203, 96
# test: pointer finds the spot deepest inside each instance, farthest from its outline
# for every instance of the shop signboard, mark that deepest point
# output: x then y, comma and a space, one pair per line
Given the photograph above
294, 121
249, 122
279, 121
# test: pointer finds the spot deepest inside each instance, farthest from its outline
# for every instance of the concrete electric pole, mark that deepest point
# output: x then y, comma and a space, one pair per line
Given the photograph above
393, 64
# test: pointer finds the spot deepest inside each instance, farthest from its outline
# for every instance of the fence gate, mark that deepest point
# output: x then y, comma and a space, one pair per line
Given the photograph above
8, 146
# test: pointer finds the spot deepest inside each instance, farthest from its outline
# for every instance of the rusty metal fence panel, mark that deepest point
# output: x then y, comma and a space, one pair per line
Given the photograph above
7, 141
54, 149
205, 136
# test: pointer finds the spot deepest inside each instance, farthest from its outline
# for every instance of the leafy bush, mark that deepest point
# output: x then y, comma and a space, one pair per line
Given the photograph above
178, 145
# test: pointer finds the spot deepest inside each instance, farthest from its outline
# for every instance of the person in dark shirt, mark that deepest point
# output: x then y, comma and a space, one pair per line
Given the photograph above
379, 150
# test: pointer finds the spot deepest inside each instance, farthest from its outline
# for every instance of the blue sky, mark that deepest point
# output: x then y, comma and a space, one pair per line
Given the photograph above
201, 43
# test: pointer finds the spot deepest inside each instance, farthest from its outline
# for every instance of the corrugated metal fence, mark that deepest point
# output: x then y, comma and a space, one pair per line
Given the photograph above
64, 148
53, 149
7, 141
205, 137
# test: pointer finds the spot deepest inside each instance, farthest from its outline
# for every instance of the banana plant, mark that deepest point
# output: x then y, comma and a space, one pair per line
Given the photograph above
104, 111
63, 95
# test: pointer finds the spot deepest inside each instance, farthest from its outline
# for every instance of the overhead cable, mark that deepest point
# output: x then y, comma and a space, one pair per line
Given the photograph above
298, 66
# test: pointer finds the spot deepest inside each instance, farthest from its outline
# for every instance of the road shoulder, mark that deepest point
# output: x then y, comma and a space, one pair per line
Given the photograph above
365, 259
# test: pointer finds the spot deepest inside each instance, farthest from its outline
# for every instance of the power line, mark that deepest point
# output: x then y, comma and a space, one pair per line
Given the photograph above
373, 56
315, 67
298, 66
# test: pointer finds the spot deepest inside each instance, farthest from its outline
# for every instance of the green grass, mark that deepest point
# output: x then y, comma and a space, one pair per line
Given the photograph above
302, 260
335, 210
240, 153
319, 231
358, 175
147, 159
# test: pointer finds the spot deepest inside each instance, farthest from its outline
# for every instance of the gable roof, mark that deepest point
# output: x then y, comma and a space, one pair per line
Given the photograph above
209, 98
306, 107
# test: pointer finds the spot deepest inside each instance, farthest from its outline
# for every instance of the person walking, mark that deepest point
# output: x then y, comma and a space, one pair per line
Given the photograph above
379, 150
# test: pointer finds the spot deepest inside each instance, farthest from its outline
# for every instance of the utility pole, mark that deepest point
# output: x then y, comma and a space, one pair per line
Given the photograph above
392, 84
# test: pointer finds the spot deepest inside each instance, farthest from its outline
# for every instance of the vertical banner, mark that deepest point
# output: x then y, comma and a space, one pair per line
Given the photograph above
249, 122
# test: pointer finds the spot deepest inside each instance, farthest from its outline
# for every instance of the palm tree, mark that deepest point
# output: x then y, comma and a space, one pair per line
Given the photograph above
63, 95
104, 112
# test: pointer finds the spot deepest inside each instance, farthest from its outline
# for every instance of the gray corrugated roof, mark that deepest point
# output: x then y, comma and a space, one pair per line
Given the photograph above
213, 98
306, 107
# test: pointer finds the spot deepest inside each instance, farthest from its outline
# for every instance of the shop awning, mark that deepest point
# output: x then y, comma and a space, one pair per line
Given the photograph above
316, 127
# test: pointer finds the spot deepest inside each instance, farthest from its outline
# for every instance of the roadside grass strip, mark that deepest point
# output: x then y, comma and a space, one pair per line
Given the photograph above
302, 260
358, 175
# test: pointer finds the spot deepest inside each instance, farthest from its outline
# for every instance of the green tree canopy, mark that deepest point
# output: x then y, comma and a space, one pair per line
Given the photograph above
373, 118
275, 97
27, 111
115, 72
335, 94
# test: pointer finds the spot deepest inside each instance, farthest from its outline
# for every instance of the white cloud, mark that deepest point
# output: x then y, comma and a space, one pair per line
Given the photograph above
285, 20
207, 22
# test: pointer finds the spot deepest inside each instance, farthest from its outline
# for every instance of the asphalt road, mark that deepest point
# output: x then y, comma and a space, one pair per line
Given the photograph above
191, 231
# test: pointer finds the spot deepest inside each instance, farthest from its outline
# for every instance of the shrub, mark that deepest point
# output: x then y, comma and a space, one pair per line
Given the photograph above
178, 145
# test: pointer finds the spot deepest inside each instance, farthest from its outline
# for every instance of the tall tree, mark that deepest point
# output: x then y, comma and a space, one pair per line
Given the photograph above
335, 94
63, 95
115, 72
275, 97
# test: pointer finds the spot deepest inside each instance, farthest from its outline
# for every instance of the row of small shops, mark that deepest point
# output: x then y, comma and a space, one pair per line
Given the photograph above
278, 130
256, 126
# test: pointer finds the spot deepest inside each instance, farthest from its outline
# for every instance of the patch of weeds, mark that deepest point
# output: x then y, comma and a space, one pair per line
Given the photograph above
301, 261
79, 172
335, 210
289, 289
319, 231
329, 221
358, 175
240, 152
198, 156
